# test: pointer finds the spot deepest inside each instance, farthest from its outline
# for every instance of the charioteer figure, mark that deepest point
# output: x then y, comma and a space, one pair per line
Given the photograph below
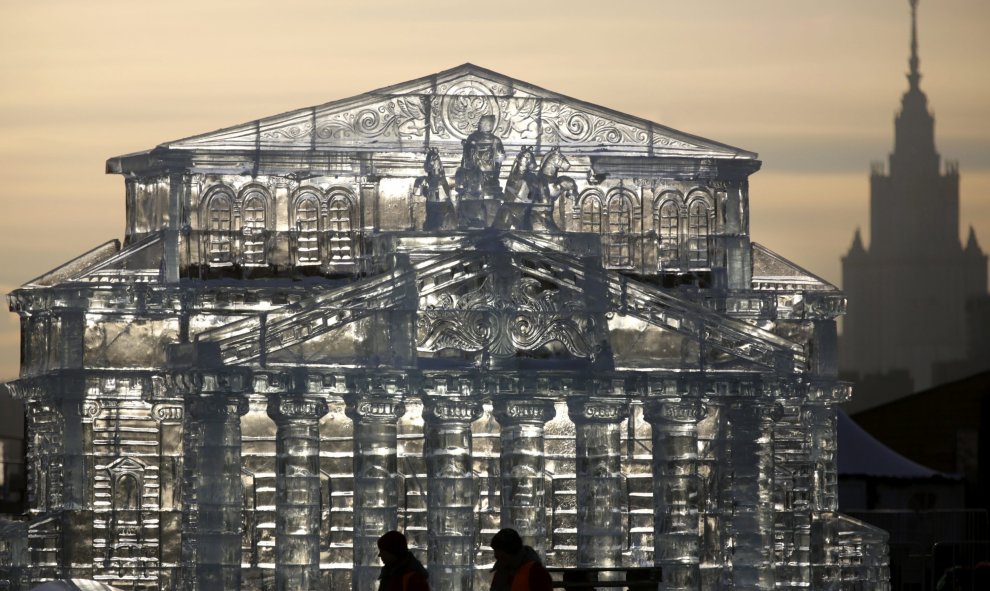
477, 176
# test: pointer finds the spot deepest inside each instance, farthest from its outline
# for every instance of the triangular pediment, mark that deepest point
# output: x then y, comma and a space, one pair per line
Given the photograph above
442, 109
504, 297
772, 271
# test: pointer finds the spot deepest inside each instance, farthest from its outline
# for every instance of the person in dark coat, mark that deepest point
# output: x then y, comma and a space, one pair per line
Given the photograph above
401, 570
517, 567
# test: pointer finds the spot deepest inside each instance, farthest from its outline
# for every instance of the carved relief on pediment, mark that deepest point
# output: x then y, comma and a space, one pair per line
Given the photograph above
504, 318
400, 118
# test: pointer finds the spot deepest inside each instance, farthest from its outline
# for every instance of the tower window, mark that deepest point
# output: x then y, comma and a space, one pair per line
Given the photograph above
618, 245
218, 227
668, 230
698, 234
340, 222
253, 225
307, 224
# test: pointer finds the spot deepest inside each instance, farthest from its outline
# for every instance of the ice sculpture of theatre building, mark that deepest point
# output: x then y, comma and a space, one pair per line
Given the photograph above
455, 304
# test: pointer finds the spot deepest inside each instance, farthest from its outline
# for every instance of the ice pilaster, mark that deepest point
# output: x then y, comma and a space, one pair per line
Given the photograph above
451, 496
749, 492
523, 467
677, 543
74, 468
219, 494
599, 479
376, 497
297, 490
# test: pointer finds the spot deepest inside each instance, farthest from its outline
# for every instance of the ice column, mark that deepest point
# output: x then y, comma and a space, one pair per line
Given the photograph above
219, 495
523, 467
675, 490
749, 490
451, 495
599, 480
375, 493
297, 490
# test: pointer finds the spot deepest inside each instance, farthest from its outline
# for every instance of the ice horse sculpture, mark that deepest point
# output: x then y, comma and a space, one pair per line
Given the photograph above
447, 306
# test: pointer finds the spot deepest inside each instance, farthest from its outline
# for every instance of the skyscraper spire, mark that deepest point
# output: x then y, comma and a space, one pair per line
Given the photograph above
914, 76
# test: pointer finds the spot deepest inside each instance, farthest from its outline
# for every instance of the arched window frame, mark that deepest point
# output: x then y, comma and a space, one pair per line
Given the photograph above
620, 206
340, 228
219, 225
667, 222
700, 220
591, 211
307, 223
255, 209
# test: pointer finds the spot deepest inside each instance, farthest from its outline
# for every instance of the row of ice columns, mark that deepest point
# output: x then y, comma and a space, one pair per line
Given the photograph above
213, 455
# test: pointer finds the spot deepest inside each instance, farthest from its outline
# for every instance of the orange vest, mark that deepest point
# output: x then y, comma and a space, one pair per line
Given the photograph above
520, 581
405, 580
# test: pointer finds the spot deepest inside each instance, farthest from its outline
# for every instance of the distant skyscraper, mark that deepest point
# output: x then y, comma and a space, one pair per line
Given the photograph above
907, 292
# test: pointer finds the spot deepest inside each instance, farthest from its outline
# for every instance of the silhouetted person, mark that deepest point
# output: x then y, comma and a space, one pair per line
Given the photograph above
517, 567
401, 570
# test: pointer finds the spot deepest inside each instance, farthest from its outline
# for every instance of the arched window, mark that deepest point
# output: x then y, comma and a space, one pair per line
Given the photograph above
127, 493
307, 225
218, 225
698, 229
339, 225
668, 232
619, 240
591, 214
253, 225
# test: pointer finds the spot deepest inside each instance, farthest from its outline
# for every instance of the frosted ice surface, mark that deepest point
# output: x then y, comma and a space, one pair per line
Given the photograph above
453, 305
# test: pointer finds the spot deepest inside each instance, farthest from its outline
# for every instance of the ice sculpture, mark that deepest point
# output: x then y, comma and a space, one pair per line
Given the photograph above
452, 305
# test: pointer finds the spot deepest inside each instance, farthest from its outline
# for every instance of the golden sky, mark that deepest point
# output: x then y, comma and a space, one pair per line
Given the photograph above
812, 86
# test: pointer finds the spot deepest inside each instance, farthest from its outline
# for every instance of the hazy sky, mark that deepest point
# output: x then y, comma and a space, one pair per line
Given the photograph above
812, 86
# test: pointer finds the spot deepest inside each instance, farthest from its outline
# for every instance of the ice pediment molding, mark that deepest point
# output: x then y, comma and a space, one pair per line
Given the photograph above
444, 108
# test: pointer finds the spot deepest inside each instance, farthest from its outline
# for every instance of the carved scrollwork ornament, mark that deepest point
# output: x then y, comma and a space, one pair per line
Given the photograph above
591, 410
447, 409
675, 411
90, 409
296, 408
374, 408
516, 410
167, 413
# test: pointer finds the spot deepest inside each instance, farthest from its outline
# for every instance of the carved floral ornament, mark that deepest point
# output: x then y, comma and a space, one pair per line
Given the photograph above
503, 319
453, 112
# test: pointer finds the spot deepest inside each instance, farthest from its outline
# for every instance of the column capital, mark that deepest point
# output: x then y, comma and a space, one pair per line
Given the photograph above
208, 407
674, 410
517, 410
292, 407
170, 413
598, 410
459, 410
374, 407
